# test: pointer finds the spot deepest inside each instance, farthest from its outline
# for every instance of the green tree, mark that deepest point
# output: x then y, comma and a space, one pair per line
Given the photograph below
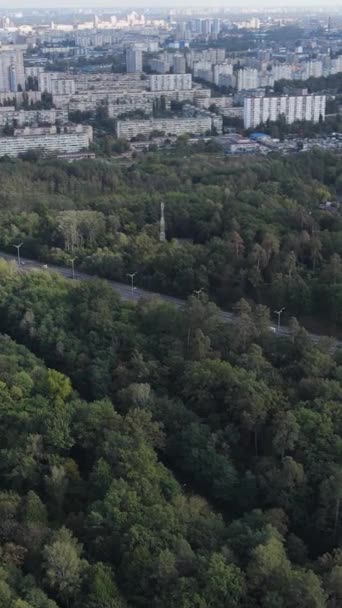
63, 565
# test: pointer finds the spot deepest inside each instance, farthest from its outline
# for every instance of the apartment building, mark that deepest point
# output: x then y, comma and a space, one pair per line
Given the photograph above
221, 103
225, 80
20, 97
220, 69
159, 65
201, 67
312, 69
336, 65
258, 110
130, 104
69, 140
169, 126
247, 78
133, 60
56, 83
170, 82
10, 115
179, 64
33, 71
282, 71
12, 73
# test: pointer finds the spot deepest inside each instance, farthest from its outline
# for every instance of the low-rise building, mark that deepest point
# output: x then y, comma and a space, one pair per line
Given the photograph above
67, 140
20, 98
170, 82
130, 105
9, 114
56, 83
128, 129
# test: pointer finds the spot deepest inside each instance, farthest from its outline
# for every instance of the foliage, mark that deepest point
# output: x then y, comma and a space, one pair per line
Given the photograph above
235, 227
198, 465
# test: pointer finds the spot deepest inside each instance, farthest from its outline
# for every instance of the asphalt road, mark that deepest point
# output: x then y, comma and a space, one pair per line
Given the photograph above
125, 291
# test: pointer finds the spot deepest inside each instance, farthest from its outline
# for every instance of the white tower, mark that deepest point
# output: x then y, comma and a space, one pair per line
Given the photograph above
162, 224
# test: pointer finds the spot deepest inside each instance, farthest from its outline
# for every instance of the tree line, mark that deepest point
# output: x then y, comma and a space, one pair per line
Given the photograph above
252, 228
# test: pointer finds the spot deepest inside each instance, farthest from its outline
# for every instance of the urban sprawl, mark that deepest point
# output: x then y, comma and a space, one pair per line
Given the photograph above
69, 79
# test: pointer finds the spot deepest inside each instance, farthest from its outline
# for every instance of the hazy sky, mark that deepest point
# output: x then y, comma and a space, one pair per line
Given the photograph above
112, 4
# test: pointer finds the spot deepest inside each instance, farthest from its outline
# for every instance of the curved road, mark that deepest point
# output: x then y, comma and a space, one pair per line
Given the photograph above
125, 290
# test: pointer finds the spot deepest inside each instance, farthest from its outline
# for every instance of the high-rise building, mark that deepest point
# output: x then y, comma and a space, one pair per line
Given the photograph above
205, 27
336, 65
258, 110
196, 26
179, 64
221, 68
200, 67
221, 55
216, 26
12, 73
283, 71
312, 68
247, 79
180, 30
133, 60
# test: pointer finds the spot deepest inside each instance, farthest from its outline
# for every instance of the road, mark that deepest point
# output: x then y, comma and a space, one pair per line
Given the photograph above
126, 293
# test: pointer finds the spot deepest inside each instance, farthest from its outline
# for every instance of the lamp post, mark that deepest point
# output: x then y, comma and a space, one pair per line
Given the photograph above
18, 251
132, 275
279, 313
73, 267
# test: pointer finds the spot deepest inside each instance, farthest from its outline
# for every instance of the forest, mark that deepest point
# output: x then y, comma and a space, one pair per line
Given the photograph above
253, 228
157, 457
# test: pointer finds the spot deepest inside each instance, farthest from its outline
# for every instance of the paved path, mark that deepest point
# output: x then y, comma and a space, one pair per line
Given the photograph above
125, 290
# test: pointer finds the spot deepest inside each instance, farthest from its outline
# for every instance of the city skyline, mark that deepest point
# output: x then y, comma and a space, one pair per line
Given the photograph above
116, 4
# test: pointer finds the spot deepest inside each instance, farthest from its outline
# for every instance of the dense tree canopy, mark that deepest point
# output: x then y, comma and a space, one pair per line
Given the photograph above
251, 228
158, 457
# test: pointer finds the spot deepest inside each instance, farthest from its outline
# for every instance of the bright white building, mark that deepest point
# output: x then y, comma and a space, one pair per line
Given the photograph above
258, 110
47, 139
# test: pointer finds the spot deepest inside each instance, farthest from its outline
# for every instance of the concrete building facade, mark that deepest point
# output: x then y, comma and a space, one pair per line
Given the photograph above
169, 126
49, 140
258, 110
133, 61
170, 82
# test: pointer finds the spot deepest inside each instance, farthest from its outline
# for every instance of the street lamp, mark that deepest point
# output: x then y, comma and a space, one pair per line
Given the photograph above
279, 313
73, 267
18, 250
132, 275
